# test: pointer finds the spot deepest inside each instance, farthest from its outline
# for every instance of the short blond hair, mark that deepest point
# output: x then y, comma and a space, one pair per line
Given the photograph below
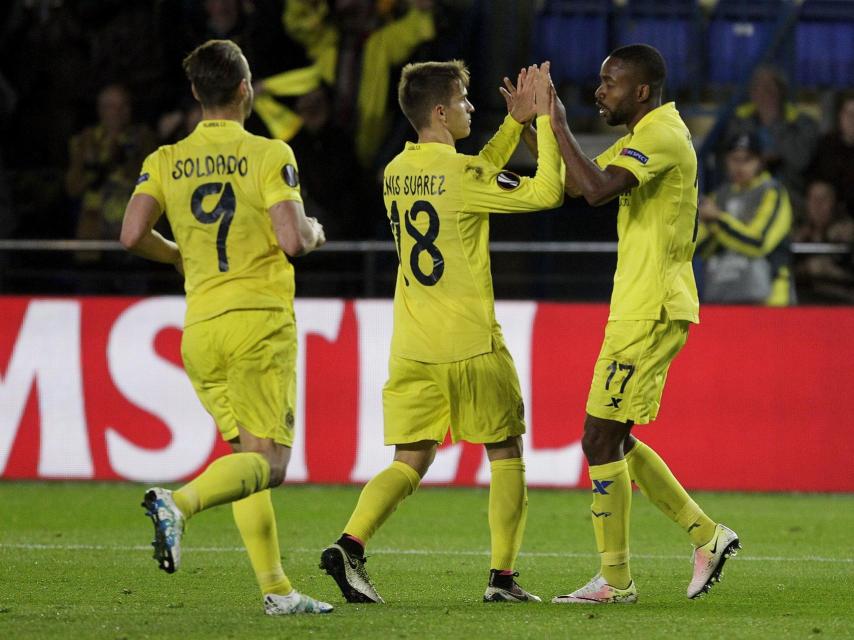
423, 85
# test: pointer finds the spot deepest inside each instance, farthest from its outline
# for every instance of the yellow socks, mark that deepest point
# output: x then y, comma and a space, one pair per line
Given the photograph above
226, 479
612, 499
380, 498
256, 521
657, 483
508, 511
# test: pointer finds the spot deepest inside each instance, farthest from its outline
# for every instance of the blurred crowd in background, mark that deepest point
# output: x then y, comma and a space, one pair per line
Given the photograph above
89, 87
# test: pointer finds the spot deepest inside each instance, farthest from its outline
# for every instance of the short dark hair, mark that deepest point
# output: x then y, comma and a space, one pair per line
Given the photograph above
423, 85
216, 69
649, 62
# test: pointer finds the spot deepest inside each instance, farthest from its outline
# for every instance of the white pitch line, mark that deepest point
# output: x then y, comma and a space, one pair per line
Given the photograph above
409, 552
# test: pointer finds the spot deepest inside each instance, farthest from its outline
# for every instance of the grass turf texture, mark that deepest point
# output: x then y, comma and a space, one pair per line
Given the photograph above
74, 563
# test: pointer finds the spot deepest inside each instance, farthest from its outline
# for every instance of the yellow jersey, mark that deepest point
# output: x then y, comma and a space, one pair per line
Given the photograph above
438, 202
657, 220
216, 187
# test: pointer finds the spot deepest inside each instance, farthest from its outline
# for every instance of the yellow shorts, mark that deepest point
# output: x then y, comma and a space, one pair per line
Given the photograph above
631, 369
243, 367
479, 399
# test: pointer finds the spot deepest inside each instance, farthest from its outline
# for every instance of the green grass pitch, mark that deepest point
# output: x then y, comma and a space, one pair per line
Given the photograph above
74, 563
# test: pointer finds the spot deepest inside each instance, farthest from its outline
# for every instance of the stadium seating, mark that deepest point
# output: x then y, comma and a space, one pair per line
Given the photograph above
818, 52
673, 27
824, 44
574, 36
737, 36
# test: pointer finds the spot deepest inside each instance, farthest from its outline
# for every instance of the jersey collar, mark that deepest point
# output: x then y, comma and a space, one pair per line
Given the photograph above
432, 146
219, 128
658, 113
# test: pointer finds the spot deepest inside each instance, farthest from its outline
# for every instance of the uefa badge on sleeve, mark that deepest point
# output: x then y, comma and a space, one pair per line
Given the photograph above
508, 180
290, 176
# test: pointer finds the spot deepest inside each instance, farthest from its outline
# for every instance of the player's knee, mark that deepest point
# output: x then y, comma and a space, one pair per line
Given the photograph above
419, 456
277, 475
508, 449
599, 447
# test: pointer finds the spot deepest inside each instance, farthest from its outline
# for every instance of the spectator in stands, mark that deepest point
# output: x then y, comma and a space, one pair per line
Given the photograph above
104, 164
176, 125
744, 235
823, 278
352, 49
787, 136
833, 161
324, 150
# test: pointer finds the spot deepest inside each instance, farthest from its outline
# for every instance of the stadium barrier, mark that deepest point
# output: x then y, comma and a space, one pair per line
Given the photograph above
93, 388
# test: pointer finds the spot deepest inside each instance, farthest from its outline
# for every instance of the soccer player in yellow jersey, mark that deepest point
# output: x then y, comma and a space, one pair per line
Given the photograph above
233, 202
653, 170
449, 365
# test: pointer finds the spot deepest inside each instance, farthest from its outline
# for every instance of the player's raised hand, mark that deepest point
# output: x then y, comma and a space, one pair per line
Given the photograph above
557, 110
542, 92
520, 98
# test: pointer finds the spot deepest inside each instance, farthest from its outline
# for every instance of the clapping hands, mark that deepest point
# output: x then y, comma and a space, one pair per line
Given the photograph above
531, 96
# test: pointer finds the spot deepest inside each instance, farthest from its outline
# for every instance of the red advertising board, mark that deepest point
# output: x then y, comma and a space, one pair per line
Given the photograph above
93, 388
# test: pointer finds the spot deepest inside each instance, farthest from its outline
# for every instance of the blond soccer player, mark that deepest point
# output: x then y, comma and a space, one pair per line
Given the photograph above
653, 171
233, 202
449, 364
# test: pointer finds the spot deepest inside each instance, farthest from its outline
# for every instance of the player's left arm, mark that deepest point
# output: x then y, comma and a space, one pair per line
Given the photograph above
583, 176
139, 237
296, 233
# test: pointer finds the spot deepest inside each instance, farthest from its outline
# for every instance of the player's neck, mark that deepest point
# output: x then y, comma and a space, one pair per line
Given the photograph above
645, 109
435, 134
224, 113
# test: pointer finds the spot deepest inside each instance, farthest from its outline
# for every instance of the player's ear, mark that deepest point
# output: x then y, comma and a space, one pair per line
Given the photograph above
439, 110
643, 92
195, 93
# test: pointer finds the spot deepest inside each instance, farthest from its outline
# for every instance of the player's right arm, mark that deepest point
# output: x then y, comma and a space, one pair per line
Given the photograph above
583, 176
139, 237
145, 207
296, 233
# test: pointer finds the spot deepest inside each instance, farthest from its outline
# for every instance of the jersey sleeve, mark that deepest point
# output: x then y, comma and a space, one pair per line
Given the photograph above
489, 189
149, 180
604, 158
280, 177
646, 154
502, 145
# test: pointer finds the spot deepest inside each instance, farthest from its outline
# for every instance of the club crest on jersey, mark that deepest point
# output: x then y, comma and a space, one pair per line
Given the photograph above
508, 180
634, 153
143, 177
290, 176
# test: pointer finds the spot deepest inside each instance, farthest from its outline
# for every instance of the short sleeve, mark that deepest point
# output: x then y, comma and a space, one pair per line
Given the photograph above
280, 177
646, 154
604, 158
149, 181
